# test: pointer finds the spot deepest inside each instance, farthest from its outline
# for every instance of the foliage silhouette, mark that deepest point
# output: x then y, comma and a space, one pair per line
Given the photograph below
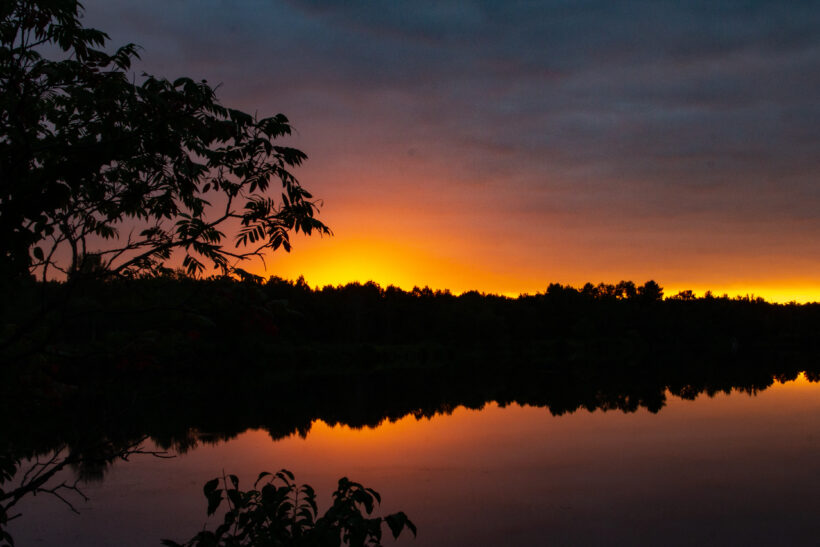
105, 174
280, 513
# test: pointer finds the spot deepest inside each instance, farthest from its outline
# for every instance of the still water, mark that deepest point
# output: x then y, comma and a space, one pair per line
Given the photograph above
730, 469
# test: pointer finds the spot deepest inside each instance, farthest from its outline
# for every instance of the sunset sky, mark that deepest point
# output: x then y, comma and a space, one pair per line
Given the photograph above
501, 146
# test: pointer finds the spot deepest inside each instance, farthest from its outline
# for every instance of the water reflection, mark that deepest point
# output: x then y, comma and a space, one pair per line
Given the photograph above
214, 411
480, 456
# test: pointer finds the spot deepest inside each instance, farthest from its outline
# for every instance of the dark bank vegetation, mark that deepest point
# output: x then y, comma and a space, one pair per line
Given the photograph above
173, 323
278, 512
169, 348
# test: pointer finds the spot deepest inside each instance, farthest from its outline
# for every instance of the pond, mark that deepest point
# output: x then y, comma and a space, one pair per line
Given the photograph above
741, 467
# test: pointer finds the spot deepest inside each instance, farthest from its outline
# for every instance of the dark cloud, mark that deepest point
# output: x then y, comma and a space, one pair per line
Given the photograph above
622, 110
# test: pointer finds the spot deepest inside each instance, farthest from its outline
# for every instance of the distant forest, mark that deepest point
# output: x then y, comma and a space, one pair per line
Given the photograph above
174, 321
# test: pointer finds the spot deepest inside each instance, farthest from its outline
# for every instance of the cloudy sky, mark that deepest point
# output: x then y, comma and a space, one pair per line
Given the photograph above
501, 146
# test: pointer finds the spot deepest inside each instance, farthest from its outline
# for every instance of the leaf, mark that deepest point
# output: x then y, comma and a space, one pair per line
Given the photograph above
235, 497
261, 476
38, 253
213, 494
285, 473
374, 494
397, 523
210, 486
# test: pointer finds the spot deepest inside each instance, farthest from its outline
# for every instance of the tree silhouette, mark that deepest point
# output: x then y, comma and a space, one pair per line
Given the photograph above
110, 174
650, 291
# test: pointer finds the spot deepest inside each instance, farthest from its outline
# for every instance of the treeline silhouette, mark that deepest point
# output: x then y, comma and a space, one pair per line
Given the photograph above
174, 322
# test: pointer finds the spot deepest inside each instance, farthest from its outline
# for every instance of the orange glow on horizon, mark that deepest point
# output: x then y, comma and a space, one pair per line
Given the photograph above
341, 260
404, 265
785, 292
414, 239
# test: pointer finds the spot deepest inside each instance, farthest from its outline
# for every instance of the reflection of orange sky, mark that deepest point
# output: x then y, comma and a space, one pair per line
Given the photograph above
461, 473
444, 435
467, 425
400, 456
800, 383
469, 477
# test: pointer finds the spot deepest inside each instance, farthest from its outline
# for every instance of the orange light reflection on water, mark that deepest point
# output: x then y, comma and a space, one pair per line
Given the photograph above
712, 467
515, 435
467, 473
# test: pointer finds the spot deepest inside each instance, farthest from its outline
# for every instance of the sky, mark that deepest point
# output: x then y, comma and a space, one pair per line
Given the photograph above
502, 146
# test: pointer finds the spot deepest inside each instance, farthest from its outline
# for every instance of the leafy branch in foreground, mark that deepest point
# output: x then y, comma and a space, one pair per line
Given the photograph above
107, 173
280, 513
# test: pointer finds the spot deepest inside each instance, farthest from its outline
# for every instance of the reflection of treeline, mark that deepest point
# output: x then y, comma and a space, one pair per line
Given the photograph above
179, 415
158, 356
